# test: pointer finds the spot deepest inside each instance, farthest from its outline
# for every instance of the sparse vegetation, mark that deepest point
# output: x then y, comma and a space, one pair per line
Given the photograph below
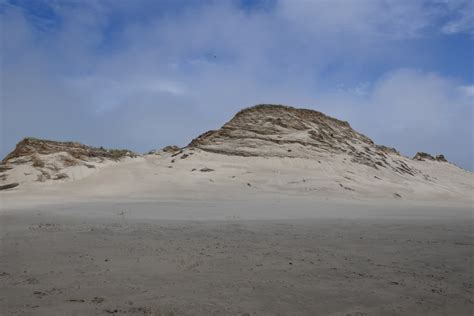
425, 156
4, 168
60, 176
171, 149
68, 162
43, 177
37, 162
32, 146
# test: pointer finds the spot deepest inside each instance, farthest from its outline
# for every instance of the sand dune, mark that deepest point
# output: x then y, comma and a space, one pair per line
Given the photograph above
162, 176
280, 212
263, 149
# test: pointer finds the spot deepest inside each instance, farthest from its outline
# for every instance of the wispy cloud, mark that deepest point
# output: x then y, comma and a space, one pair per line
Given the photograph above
462, 17
144, 74
468, 91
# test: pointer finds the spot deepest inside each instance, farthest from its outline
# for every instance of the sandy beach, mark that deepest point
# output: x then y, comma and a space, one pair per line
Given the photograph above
112, 260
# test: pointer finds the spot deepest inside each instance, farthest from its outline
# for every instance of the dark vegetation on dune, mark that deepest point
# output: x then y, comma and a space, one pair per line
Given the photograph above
31, 146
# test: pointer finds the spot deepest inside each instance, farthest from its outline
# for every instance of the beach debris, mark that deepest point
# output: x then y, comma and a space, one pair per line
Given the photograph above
97, 300
76, 300
112, 311
205, 169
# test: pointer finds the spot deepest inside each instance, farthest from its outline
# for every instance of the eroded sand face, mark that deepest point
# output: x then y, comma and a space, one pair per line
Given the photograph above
114, 260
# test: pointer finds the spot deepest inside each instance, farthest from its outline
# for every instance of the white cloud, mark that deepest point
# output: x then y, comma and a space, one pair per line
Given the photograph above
412, 111
468, 91
396, 19
462, 17
105, 94
162, 83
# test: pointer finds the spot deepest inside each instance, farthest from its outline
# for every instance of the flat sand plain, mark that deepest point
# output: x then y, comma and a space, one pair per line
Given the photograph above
105, 258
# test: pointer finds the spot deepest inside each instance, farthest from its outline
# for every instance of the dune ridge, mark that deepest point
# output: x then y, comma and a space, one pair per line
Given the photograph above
265, 148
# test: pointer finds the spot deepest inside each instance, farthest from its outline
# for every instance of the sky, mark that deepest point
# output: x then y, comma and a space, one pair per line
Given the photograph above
145, 74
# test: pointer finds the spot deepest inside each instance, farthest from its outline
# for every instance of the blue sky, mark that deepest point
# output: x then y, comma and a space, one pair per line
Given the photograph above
144, 74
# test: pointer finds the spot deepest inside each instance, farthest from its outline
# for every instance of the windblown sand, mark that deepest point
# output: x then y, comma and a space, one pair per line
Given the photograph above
129, 259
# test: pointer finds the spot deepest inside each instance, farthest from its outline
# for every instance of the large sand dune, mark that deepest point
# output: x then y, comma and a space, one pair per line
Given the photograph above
263, 149
262, 217
203, 175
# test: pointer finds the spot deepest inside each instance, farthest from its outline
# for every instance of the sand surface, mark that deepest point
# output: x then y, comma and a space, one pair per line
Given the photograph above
102, 258
165, 177
156, 235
